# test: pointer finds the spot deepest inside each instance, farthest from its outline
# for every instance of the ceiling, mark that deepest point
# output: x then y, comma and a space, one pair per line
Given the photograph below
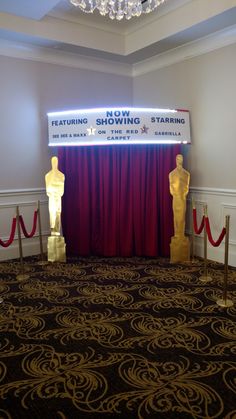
59, 25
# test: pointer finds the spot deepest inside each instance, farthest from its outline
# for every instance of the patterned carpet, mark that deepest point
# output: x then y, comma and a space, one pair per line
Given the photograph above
116, 338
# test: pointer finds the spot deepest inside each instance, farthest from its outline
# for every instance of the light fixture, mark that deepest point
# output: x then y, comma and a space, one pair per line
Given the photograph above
117, 9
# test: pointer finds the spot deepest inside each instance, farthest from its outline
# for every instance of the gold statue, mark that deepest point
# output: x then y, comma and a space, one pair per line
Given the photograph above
55, 189
179, 186
179, 180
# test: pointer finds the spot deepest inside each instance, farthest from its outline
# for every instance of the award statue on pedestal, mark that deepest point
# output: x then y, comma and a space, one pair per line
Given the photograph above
179, 186
55, 189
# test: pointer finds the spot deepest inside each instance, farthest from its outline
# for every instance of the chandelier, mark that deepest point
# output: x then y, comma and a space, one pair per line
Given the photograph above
117, 9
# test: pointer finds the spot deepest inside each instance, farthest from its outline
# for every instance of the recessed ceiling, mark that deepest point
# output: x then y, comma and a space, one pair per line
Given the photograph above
28, 8
58, 24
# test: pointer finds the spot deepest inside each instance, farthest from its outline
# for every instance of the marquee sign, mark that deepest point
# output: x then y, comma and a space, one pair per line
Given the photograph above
105, 126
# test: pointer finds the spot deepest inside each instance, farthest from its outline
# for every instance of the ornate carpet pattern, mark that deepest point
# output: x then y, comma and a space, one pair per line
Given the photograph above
116, 338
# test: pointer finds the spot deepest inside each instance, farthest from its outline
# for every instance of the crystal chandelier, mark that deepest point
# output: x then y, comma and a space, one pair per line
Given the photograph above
117, 9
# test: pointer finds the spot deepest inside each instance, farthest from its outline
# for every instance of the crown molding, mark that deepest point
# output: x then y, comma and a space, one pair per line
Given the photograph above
193, 49
188, 51
54, 56
82, 19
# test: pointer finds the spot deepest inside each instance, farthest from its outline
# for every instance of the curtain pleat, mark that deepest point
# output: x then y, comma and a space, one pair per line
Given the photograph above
117, 200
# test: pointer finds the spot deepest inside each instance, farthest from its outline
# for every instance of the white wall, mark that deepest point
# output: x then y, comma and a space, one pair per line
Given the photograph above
30, 89
206, 85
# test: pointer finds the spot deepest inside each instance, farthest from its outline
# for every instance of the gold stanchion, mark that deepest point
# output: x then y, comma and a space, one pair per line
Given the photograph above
1, 300
205, 277
42, 261
23, 275
193, 241
226, 302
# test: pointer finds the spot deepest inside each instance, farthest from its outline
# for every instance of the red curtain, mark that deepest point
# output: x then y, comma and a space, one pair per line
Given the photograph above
117, 200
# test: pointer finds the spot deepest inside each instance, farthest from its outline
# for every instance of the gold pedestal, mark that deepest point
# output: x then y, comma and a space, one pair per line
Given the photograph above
179, 249
22, 277
56, 249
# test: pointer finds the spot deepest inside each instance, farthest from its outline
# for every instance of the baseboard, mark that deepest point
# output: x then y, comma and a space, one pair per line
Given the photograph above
30, 247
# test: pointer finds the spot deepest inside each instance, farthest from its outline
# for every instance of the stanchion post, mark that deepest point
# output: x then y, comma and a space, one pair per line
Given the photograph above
42, 261
19, 234
226, 258
40, 231
193, 247
225, 302
205, 277
205, 242
22, 276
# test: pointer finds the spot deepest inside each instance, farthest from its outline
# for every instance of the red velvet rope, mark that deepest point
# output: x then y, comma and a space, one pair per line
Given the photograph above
12, 235
196, 229
31, 234
208, 229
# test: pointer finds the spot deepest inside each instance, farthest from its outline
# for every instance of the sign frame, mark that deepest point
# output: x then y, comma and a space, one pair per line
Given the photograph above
118, 125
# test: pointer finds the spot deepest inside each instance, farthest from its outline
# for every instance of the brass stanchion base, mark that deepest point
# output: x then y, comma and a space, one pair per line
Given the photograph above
205, 278
22, 277
225, 303
191, 262
1, 300
42, 262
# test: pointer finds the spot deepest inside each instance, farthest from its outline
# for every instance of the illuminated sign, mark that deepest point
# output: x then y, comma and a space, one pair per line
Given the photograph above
105, 126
